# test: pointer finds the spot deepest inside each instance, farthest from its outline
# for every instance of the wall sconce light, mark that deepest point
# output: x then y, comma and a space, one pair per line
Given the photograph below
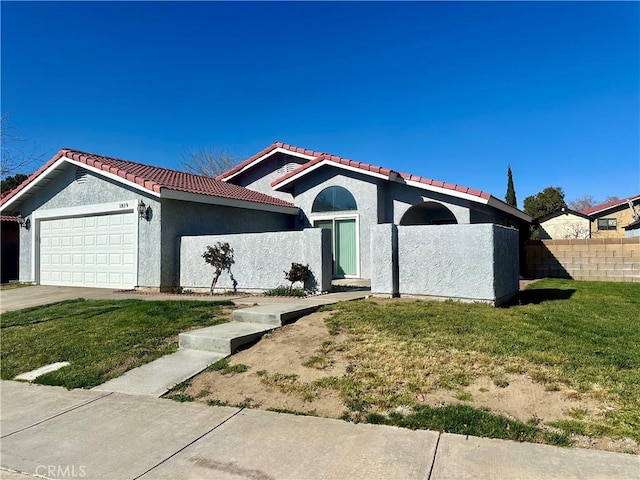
143, 210
23, 222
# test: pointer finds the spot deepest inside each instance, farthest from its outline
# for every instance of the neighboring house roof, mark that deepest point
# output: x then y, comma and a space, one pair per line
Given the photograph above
7, 218
161, 182
603, 207
315, 159
563, 211
633, 226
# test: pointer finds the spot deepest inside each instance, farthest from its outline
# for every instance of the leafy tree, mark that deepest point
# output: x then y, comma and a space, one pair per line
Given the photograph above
9, 183
510, 197
207, 162
550, 200
220, 257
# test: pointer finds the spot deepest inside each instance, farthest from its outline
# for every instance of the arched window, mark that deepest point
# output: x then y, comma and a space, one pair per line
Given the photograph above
334, 199
428, 213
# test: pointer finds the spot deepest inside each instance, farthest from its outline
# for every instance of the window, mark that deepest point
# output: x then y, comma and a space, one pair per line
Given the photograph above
607, 223
334, 199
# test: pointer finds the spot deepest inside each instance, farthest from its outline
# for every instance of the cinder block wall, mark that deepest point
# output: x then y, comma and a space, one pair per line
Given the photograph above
600, 259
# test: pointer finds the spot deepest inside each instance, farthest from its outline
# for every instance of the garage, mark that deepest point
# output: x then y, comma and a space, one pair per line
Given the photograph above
89, 251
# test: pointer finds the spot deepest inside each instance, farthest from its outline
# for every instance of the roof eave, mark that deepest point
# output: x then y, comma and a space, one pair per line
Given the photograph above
281, 182
170, 194
272, 150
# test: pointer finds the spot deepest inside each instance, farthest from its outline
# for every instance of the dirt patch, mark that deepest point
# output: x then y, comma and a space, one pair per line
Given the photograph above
284, 353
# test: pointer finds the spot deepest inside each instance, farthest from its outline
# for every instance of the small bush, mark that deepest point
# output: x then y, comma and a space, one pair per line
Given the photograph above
285, 291
297, 273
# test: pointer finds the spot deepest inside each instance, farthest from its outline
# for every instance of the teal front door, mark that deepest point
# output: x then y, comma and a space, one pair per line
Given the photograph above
343, 245
346, 251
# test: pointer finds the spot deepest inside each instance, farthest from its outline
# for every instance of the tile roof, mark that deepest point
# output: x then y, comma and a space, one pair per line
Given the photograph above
265, 151
359, 165
322, 156
8, 218
155, 179
608, 205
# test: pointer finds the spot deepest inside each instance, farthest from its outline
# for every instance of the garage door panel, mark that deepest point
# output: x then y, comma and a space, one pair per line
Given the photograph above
94, 251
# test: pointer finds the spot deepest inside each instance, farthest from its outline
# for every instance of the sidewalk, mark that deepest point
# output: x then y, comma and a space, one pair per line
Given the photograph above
55, 433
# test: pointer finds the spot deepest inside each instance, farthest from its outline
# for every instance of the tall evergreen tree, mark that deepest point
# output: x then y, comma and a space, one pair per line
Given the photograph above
510, 197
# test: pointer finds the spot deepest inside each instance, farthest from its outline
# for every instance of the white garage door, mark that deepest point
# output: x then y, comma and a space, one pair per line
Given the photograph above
90, 251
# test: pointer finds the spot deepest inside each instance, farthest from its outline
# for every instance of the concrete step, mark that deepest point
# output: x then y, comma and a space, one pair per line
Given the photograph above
276, 314
157, 377
225, 338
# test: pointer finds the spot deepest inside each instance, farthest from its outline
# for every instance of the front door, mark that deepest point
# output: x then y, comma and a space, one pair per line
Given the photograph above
343, 245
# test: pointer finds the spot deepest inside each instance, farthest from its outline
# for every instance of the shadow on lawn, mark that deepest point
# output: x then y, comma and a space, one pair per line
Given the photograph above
539, 295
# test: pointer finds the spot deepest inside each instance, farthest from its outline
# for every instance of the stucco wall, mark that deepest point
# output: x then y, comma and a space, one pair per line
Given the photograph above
384, 252
363, 189
467, 262
259, 178
564, 226
188, 218
506, 263
401, 197
63, 191
259, 259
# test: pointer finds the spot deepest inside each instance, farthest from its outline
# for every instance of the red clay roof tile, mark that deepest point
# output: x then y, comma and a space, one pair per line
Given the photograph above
156, 178
607, 205
363, 166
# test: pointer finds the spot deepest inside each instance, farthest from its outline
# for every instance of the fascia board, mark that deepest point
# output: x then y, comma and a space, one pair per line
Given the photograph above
112, 176
267, 155
447, 191
491, 201
35, 182
495, 203
332, 164
227, 202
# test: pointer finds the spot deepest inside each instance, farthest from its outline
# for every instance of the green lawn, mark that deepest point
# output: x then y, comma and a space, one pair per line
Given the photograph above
100, 338
581, 335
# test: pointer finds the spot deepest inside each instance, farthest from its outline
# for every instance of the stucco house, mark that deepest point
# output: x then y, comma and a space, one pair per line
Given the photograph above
610, 219
105, 222
349, 197
564, 224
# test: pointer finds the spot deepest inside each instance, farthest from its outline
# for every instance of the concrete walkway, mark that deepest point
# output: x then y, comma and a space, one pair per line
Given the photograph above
200, 348
35, 295
54, 433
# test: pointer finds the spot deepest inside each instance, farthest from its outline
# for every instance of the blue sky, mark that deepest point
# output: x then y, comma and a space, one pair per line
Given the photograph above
452, 91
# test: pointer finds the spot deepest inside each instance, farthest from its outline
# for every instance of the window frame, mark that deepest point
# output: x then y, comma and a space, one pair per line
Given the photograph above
607, 223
